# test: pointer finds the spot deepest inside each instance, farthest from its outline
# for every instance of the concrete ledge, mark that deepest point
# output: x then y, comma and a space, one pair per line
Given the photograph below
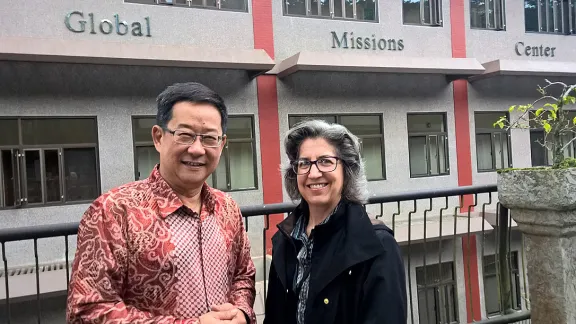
353, 62
526, 68
116, 53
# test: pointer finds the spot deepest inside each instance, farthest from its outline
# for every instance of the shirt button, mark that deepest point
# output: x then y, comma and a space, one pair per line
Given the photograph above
350, 272
286, 290
326, 301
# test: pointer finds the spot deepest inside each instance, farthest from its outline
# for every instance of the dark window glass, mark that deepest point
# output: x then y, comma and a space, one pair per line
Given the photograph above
59, 131
9, 186
52, 174
411, 12
298, 7
142, 128
81, 174
428, 145
33, 176
8, 132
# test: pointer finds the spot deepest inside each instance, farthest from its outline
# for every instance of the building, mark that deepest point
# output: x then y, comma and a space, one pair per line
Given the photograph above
420, 81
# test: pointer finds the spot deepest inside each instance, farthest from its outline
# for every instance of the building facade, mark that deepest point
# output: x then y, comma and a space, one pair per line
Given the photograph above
420, 81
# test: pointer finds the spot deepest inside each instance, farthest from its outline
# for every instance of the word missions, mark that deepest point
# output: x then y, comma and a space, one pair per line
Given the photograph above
76, 23
373, 43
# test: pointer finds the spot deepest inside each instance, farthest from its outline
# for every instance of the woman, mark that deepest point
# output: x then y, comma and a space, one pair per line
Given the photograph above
329, 263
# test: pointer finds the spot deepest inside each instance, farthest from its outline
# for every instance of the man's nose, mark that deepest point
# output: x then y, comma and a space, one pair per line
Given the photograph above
196, 148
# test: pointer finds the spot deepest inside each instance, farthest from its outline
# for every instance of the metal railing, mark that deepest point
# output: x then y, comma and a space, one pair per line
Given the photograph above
448, 238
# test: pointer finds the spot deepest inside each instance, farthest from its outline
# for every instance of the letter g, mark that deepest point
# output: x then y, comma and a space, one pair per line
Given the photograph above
82, 22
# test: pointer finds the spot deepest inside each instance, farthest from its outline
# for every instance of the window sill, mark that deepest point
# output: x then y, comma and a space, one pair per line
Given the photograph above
59, 204
429, 175
332, 19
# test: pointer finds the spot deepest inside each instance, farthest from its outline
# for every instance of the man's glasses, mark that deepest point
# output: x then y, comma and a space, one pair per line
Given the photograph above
324, 164
185, 138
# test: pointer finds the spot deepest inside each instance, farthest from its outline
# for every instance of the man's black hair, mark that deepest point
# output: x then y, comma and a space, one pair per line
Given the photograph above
191, 92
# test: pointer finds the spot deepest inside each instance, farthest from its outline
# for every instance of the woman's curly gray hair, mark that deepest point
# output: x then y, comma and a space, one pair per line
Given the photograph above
347, 148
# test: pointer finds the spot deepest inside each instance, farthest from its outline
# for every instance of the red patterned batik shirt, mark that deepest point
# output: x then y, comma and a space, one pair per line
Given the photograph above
144, 257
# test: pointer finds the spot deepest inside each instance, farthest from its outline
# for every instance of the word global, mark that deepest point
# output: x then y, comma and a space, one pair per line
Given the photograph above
105, 25
366, 42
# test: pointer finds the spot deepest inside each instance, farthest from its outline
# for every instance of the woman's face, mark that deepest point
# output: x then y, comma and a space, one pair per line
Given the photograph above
322, 185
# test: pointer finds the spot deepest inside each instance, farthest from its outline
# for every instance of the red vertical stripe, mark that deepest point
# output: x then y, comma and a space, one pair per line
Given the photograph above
470, 258
268, 115
464, 157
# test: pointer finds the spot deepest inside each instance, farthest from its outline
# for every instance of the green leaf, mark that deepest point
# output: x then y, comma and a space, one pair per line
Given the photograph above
569, 100
553, 106
553, 114
547, 127
539, 111
511, 109
574, 121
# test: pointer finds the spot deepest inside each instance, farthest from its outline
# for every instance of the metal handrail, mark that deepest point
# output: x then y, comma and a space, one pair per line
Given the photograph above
64, 229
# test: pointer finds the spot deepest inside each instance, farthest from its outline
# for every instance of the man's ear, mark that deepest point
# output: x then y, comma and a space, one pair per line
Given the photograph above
157, 135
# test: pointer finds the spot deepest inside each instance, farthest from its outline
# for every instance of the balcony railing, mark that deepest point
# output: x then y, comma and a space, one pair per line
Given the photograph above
463, 257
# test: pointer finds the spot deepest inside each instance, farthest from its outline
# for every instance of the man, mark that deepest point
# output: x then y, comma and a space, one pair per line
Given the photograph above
168, 249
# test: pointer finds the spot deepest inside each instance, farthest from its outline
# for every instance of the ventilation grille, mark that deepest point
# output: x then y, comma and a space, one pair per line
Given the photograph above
32, 269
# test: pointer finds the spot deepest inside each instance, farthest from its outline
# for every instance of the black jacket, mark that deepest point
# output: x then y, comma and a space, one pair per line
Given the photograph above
357, 274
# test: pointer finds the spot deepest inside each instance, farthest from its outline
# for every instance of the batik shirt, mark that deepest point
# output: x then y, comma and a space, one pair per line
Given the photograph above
304, 262
144, 257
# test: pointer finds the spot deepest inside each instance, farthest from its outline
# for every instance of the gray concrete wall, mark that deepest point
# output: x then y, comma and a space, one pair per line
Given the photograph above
168, 25
112, 94
488, 45
294, 34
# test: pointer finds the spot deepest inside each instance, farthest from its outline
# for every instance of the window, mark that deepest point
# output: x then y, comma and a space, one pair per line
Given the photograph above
437, 294
234, 5
334, 9
550, 16
422, 12
491, 291
540, 155
369, 129
488, 14
46, 161
428, 145
492, 144
237, 167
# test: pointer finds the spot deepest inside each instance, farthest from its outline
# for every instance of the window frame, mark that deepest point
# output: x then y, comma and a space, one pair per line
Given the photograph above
308, 5
439, 284
567, 23
337, 117
514, 276
428, 135
180, 5
492, 132
438, 20
20, 181
499, 16
212, 181
548, 155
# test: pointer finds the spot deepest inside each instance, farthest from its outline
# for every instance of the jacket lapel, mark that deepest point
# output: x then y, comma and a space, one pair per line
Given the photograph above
284, 249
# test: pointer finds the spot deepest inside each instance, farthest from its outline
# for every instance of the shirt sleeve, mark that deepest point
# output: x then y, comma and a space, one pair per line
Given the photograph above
99, 269
243, 290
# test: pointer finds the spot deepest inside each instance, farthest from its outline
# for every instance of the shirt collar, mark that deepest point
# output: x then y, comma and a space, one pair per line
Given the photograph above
302, 222
167, 200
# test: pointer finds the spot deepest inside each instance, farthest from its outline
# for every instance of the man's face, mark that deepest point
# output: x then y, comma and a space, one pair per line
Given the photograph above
187, 166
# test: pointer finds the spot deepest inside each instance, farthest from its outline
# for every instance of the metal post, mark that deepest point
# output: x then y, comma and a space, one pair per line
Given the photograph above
504, 261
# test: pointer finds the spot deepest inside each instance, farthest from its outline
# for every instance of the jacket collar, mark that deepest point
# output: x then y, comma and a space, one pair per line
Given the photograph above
347, 239
167, 200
